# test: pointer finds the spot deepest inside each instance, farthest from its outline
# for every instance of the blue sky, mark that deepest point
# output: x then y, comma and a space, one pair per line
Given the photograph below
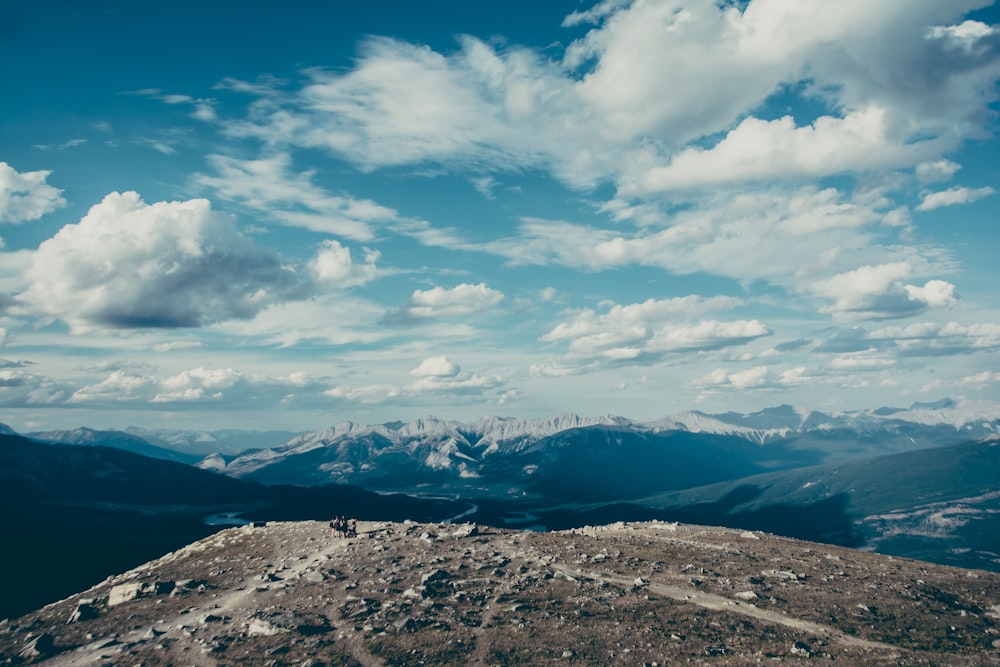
284, 215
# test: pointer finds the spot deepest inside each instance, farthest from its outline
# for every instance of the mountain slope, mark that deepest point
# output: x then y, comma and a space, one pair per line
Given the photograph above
112, 509
202, 443
117, 439
940, 504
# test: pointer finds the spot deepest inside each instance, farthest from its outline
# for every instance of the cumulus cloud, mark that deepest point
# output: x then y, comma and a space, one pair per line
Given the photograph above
26, 196
878, 292
459, 383
128, 264
745, 379
332, 266
965, 36
953, 196
438, 302
436, 367
20, 388
639, 316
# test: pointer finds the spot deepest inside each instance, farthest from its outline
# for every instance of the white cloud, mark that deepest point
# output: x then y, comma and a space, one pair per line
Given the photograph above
266, 184
26, 196
763, 151
952, 196
213, 387
787, 238
177, 345
334, 267
438, 302
436, 367
641, 332
934, 293
937, 171
19, 388
648, 82
643, 316
331, 318
460, 383
877, 292
965, 36
934, 339
861, 361
745, 379
435, 375
128, 264
707, 335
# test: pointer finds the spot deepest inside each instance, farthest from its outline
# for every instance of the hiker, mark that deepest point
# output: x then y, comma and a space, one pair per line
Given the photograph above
352, 528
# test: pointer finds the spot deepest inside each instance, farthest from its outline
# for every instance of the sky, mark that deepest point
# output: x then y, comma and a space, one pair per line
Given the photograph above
283, 215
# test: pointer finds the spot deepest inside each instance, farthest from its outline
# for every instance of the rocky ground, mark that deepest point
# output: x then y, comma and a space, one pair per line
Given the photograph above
410, 594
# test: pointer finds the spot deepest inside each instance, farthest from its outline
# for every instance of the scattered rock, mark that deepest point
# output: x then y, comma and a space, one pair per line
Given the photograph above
405, 624
716, 649
801, 649
465, 530
126, 593
37, 647
259, 626
441, 600
84, 611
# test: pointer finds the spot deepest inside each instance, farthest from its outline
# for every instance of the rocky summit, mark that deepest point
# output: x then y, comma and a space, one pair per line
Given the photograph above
436, 594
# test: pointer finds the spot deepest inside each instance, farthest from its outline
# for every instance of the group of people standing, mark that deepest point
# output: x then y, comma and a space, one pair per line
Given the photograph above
342, 527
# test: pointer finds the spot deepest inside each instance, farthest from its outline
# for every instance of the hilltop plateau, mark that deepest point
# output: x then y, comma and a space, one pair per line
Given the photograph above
289, 593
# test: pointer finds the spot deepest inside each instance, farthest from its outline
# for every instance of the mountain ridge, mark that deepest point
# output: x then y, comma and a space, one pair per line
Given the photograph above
348, 451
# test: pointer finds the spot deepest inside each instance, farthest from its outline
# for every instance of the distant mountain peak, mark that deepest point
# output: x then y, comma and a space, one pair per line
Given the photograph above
943, 404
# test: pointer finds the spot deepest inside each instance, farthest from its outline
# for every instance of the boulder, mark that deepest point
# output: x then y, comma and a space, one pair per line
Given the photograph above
37, 647
126, 593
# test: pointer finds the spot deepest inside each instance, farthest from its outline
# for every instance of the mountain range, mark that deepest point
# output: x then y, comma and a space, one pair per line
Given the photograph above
917, 481
521, 452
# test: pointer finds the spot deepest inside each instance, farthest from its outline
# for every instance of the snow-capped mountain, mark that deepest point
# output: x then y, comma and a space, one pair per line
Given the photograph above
348, 449
433, 451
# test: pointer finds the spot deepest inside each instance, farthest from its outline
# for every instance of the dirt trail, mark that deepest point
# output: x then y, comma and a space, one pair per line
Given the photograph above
722, 603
